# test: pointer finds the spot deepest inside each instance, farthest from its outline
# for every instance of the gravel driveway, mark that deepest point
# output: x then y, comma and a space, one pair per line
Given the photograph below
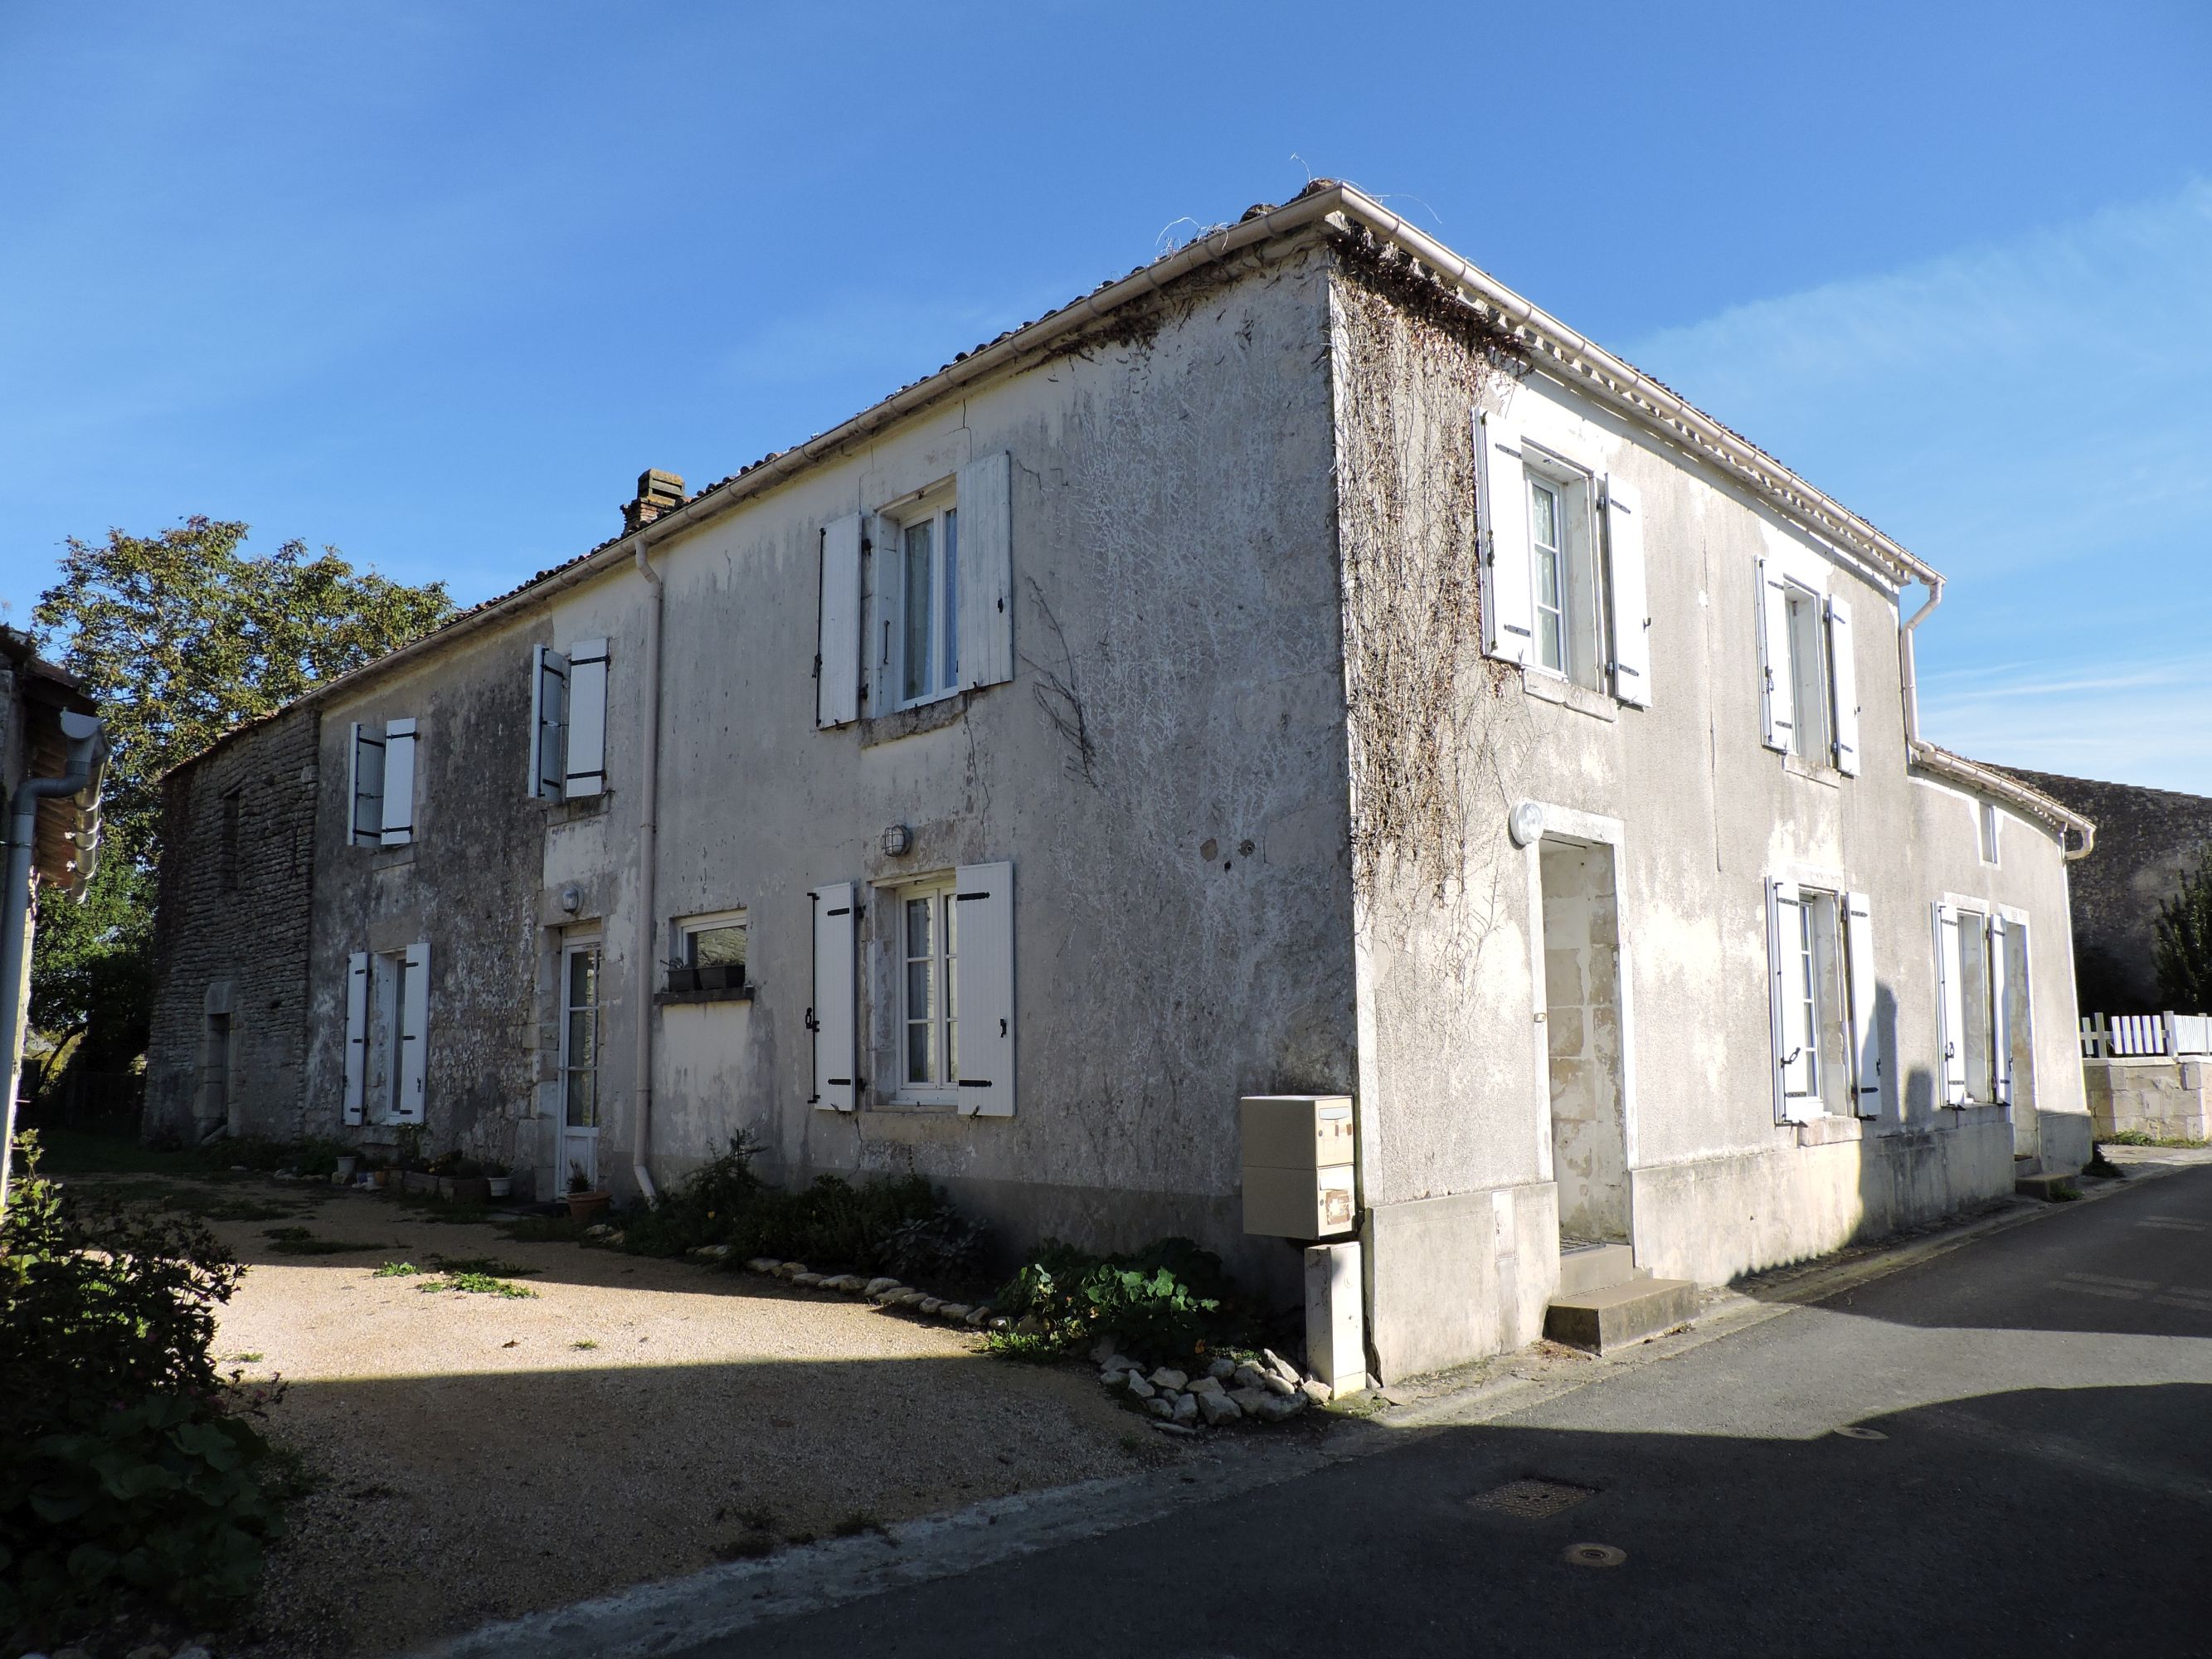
480, 1457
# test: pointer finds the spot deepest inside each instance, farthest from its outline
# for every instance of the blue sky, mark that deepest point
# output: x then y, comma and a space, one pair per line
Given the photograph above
435, 282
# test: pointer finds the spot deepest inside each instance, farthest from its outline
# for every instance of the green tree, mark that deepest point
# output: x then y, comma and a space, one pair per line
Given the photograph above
181, 637
2183, 948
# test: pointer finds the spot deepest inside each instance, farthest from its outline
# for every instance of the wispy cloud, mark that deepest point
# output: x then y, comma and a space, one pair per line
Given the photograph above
2035, 418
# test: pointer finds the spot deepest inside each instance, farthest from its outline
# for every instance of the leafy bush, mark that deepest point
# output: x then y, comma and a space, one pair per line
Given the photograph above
125, 1486
897, 1224
1169, 1299
2182, 947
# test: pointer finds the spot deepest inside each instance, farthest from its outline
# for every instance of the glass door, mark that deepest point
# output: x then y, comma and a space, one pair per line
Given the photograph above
580, 1064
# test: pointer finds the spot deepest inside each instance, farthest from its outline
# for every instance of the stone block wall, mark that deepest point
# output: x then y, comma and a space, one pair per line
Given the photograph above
2147, 839
232, 932
2165, 1099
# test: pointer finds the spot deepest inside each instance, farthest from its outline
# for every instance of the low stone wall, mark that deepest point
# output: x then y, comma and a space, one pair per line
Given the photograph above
2165, 1099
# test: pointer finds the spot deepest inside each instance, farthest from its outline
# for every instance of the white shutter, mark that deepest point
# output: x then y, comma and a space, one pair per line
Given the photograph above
837, 632
1624, 574
1950, 1009
399, 783
1866, 1032
1776, 686
832, 1018
1794, 1099
549, 720
585, 772
984, 570
415, 1035
364, 787
356, 1034
983, 986
1843, 681
2000, 1037
1509, 600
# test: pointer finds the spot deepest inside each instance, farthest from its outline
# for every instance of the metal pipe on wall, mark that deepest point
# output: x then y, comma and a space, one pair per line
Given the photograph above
87, 746
648, 812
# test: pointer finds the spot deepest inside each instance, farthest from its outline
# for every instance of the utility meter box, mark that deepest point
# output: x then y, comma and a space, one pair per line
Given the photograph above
1298, 1157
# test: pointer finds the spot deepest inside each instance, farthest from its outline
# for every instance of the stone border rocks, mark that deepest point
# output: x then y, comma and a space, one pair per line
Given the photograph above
885, 1292
1269, 1390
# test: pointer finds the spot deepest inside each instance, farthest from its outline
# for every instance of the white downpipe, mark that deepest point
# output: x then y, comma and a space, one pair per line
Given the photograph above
1910, 676
648, 932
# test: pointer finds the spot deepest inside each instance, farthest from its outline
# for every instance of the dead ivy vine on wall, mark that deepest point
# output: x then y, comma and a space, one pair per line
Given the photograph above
1413, 360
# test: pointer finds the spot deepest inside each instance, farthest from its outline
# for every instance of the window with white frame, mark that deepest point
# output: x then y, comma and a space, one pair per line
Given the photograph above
1808, 677
925, 618
381, 784
712, 947
1563, 576
1561, 557
927, 953
1979, 955
1986, 821
578, 1060
1828, 1053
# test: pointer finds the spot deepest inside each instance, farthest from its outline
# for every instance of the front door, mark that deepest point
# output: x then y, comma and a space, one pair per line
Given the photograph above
580, 1064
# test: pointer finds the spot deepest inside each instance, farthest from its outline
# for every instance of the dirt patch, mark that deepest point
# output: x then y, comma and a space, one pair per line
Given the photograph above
481, 1456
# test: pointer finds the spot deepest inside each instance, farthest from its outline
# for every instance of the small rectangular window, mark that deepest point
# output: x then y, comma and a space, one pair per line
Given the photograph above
715, 945
1987, 818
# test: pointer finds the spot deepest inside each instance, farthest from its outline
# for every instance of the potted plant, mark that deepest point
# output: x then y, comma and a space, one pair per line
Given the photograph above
721, 976
463, 1182
348, 1162
682, 976
586, 1200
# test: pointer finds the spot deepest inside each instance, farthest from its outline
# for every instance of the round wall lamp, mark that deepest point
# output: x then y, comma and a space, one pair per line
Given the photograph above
1525, 823
898, 840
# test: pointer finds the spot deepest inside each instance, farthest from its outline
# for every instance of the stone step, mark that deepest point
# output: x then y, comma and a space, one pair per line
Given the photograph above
1593, 1267
2049, 1187
1602, 1320
2026, 1164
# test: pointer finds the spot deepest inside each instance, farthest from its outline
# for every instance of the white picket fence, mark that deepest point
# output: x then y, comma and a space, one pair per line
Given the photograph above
2133, 1037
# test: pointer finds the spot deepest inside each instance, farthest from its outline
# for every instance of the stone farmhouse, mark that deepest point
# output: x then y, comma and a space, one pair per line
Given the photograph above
1299, 667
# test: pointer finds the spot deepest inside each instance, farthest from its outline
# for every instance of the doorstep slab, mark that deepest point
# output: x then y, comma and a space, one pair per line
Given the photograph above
1617, 1315
2050, 1187
1594, 1267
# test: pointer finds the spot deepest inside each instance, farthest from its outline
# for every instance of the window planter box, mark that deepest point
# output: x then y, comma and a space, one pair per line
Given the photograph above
683, 979
740, 992
721, 976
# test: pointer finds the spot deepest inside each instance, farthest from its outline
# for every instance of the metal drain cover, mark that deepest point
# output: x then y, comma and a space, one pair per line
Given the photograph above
1594, 1555
1532, 1500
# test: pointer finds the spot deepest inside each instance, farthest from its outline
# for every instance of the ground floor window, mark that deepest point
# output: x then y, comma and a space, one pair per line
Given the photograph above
929, 1025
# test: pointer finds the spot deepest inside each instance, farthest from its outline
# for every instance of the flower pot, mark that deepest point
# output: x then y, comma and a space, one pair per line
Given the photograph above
499, 1186
381, 1178
683, 978
347, 1166
465, 1190
582, 1206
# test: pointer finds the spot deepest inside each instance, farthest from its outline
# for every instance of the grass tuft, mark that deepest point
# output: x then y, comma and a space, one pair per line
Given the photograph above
476, 1284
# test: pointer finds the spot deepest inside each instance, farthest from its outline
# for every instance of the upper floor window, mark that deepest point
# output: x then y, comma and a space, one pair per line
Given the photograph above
568, 720
381, 784
1807, 675
1562, 562
927, 612
916, 598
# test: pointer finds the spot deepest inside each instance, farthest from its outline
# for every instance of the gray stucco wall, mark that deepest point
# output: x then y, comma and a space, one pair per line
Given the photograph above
2147, 840
1453, 1085
240, 950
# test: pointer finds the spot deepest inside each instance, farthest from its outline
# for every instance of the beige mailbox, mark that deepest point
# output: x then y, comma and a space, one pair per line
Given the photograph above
1298, 1165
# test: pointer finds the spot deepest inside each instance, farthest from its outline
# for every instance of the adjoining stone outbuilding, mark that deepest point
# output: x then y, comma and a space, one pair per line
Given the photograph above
1300, 667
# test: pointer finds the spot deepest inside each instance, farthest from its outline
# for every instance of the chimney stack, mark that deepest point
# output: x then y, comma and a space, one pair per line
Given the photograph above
657, 493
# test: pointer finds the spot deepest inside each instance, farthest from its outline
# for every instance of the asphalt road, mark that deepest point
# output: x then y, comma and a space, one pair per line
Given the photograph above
2039, 1480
